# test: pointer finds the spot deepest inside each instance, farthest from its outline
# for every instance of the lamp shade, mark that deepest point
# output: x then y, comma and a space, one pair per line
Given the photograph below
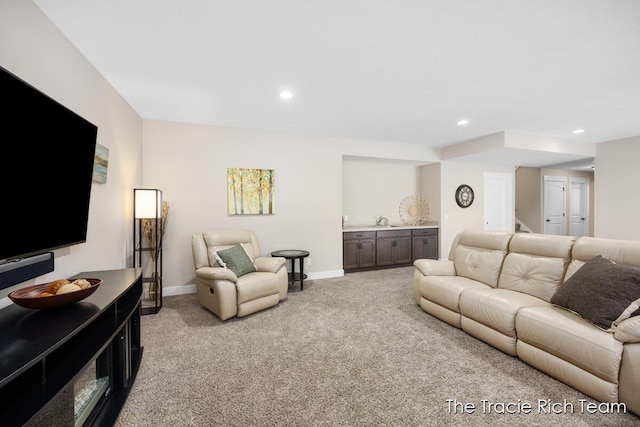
147, 203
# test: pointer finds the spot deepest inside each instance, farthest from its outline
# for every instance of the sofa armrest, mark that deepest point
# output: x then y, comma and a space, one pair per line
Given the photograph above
433, 267
629, 330
269, 264
216, 273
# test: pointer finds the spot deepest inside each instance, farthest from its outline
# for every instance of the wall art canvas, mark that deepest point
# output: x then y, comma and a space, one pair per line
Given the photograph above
250, 191
100, 164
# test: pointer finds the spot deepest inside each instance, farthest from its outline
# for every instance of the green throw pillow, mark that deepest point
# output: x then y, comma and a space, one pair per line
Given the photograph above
236, 260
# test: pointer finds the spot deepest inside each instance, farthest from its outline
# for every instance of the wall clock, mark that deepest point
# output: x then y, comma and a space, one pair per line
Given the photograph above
464, 196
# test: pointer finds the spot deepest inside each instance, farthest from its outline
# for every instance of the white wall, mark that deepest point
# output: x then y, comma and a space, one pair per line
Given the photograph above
454, 218
374, 188
189, 163
616, 189
36, 51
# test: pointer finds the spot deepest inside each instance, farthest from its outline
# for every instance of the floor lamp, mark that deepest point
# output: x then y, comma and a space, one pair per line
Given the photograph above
147, 239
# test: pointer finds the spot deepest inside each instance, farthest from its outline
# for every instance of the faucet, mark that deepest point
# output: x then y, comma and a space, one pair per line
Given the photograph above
382, 221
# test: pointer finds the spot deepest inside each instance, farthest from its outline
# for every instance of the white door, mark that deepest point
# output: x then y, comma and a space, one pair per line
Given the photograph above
498, 202
579, 207
554, 205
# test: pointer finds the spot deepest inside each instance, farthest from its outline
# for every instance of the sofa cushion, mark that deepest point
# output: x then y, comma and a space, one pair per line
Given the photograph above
625, 252
603, 292
235, 259
571, 338
546, 245
533, 275
629, 330
255, 286
446, 290
479, 264
496, 308
479, 255
536, 264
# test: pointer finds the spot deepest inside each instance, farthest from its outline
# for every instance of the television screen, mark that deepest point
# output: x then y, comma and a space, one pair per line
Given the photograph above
46, 171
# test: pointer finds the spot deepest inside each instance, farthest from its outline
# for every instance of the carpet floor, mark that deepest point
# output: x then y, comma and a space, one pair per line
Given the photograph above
348, 351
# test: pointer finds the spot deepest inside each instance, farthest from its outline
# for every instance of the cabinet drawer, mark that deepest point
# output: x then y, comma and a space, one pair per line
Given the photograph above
425, 232
393, 233
354, 235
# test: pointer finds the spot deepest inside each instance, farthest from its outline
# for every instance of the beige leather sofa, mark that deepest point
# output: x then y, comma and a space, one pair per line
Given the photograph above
221, 291
497, 287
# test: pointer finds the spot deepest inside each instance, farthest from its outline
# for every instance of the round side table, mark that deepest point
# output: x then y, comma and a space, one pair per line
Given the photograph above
293, 255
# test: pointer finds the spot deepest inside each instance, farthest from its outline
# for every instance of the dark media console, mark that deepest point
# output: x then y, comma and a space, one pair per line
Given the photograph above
74, 364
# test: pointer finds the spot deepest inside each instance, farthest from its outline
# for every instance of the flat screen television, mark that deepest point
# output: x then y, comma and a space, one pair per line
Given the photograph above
46, 169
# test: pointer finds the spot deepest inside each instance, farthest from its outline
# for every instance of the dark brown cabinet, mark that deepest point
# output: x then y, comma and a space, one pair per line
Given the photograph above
359, 250
424, 243
368, 250
393, 248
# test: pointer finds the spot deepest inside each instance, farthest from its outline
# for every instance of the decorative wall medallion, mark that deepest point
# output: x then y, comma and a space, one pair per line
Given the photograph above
464, 196
414, 210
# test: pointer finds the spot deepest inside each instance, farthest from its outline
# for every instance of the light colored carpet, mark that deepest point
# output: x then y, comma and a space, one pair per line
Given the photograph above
350, 351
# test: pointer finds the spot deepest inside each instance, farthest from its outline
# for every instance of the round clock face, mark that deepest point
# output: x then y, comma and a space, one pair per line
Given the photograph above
464, 196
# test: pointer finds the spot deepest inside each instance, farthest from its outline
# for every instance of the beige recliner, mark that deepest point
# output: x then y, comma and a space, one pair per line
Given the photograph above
221, 291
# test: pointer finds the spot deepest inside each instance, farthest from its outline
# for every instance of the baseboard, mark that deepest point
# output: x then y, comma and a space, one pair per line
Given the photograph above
179, 290
191, 288
329, 274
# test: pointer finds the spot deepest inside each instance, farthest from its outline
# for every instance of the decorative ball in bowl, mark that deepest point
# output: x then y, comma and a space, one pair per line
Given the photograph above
58, 293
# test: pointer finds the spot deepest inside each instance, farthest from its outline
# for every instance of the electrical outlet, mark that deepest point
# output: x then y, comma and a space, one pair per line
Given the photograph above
346, 218
308, 261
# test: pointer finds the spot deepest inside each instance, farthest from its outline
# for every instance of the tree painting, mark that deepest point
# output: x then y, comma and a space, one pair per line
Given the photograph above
250, 191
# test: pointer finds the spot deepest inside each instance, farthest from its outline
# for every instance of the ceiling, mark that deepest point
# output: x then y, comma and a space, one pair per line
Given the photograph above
404, 71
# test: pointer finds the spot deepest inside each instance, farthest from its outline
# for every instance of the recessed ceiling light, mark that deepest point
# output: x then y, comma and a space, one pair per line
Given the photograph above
577, 131
286, 94
463, 122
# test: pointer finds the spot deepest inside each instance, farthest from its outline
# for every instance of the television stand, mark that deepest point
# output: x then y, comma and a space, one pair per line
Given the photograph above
74, 364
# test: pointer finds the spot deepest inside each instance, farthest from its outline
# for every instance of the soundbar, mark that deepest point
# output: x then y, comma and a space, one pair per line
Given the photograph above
20, 270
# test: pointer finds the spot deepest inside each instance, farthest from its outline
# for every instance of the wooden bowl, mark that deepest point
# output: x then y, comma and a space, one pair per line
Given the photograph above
29, 297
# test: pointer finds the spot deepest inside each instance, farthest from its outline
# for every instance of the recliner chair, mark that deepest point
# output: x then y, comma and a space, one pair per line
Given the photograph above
221, 291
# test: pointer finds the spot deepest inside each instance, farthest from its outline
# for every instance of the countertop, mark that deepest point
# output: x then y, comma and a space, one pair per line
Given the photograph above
428, 224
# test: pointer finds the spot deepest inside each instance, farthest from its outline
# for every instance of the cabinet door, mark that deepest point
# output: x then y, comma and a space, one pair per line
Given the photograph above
432, 247
350, 249
417, 247
360, 253
384, 249
367, 253
425, 247
402, 250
